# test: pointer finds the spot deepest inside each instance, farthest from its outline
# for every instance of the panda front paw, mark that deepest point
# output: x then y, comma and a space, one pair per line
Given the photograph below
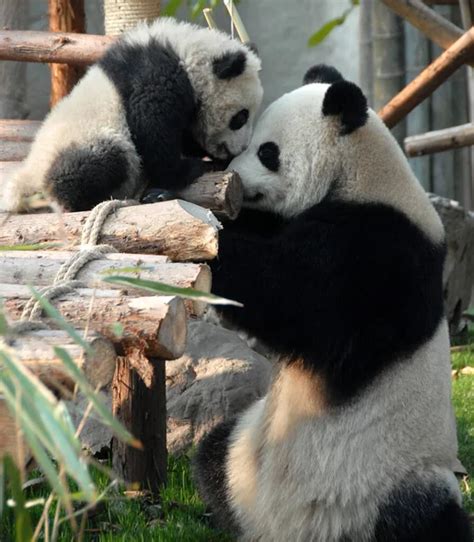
155, 195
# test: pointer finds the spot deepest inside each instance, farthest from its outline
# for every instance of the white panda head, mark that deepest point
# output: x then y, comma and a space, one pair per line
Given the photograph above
224, 74
322, 141
295, 154
228, 102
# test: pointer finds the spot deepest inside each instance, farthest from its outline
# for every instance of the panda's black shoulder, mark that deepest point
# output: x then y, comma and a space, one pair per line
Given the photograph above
153, 64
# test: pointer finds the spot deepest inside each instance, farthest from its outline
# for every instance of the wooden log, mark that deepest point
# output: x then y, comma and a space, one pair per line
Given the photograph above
153, 325
441, 31
428, 80
440, 140
36, 351
221, 192
58, 47
18, 130
65, 16
141, 407
11, 151
177, 229
38, 268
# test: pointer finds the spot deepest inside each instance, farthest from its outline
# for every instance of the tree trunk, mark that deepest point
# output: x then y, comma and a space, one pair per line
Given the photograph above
141, 407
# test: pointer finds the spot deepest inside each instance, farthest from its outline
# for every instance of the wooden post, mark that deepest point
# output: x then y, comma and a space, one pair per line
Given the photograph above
65, 16
13, 14
417, 57
467, 15
432, 24
428, 80
388, 58
366, 61
141, 407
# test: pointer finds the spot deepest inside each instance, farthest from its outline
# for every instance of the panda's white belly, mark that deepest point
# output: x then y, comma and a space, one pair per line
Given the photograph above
298, 471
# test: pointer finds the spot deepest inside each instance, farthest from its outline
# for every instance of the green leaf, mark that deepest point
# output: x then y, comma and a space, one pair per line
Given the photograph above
327, 28
197, 8
53, 313
117, 329
171, 8
137, 269
23, 528
106, 416
4, 327
165, 289
36, 246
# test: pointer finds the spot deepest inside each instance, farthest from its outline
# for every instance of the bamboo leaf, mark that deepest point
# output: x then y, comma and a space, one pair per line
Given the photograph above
171, 8
165, 289
36, 246
327, 28
137, 269
4, 327
106, 416
23, 528
53, 313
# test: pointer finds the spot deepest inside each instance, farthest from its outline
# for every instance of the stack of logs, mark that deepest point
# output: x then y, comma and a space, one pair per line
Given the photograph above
163, 239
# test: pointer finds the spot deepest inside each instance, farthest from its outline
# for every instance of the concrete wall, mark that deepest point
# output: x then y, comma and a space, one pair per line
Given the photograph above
280, 29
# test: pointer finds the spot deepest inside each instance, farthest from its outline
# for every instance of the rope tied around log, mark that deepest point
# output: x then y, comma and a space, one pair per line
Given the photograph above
65, 280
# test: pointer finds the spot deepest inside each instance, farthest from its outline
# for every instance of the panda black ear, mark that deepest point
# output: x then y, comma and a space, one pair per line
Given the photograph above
347, 100
321, 73
229, 65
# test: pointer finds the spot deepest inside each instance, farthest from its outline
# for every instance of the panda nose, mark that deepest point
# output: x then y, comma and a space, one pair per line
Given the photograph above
222, 148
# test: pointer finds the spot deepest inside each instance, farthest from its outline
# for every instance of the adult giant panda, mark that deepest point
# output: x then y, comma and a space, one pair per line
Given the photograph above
159, 92
338, 260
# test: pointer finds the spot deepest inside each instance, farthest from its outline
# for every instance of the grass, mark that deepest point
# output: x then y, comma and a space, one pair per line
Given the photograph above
180, 516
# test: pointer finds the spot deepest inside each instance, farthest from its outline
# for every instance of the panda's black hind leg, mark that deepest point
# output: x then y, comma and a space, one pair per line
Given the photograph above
82, 176
209, 472
420, 515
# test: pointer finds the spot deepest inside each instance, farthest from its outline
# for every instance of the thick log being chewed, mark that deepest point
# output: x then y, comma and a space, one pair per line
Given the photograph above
221, 192
178, 229
38, 267
35, 349
153, 325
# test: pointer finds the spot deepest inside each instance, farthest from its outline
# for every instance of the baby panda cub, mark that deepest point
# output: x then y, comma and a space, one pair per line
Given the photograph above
160, 98
338, 260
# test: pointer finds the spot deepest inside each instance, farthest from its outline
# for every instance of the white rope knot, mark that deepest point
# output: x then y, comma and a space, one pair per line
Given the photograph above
33, 309
99, 214
65, 281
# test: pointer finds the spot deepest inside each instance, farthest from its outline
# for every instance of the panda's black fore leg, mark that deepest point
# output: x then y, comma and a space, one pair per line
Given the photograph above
155, 195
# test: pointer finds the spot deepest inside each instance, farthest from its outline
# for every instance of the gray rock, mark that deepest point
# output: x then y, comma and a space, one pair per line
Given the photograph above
458, 277
217, 377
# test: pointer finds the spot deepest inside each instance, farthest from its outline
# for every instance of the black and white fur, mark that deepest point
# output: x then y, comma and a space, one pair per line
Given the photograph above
338, 260
162, 91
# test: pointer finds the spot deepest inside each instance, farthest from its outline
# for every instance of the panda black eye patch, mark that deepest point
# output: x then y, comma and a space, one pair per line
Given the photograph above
239, 119
269, 155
